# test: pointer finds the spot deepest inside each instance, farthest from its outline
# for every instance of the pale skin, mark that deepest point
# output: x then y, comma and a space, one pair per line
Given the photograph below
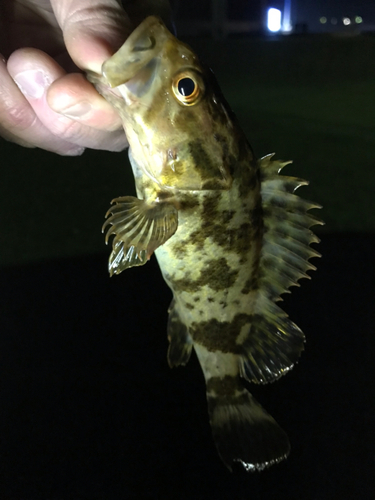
45, 46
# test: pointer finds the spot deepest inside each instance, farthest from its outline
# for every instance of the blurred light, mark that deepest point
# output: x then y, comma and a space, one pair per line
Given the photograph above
358, 19
323, 20
346, 21
287, 25
274, 20
333, 20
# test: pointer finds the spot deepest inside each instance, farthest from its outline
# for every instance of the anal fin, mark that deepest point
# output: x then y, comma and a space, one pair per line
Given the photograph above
139, 229
180, 342
272, 346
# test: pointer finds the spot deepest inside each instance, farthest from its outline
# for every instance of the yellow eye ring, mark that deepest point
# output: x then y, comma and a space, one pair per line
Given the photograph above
188, 88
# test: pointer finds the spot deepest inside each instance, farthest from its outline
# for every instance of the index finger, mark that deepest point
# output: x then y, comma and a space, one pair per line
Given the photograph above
93, 30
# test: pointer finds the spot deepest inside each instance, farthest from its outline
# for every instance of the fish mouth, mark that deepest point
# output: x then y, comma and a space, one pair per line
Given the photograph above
141, 83
137, 58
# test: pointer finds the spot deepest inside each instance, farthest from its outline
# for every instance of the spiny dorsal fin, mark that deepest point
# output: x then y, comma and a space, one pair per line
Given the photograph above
274, 343
139, 229
286, 240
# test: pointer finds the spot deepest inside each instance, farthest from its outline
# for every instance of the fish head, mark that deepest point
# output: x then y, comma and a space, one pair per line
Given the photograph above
177, 125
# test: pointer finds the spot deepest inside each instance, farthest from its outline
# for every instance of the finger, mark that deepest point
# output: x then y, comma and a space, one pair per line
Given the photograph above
73, 96
34, 71
19, 123
93, 29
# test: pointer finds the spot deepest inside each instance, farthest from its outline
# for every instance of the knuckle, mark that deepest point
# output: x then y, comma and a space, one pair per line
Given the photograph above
69, 130
18, 117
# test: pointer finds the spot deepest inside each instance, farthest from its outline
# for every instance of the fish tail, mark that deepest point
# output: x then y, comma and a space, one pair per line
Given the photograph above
242, 430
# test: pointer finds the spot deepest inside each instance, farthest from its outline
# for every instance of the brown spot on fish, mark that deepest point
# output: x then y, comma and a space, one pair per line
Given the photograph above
227, 215
222, 385
189, 306
210, 208
220, 335
202, 160
179, 249
188, 202
216, 274
250, 285
163, 195
225, 391
227, 399
237, 240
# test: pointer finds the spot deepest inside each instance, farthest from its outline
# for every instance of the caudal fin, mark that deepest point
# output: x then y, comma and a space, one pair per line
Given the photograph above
242, 430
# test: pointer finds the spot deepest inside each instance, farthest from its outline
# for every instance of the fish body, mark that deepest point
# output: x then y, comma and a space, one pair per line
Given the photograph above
229, 234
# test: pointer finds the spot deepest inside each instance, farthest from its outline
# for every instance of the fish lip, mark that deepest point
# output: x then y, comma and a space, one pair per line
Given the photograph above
143, 44
141, 83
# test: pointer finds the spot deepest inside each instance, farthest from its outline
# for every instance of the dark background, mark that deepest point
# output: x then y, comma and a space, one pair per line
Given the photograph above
89, 408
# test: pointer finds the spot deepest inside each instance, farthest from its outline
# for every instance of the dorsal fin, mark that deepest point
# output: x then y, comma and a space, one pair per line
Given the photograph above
285, 251
274, 343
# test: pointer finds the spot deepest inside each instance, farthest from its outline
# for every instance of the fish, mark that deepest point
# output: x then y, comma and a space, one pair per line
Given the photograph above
229, 233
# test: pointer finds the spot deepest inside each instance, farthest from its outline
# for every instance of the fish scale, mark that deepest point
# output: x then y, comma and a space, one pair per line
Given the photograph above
229, 234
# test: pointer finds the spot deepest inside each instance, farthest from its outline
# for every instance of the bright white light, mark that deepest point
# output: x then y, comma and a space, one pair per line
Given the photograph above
346, 21
287, 27
287, 24
274, 20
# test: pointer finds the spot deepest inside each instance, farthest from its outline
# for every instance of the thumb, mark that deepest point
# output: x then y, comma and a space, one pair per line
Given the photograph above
93, 30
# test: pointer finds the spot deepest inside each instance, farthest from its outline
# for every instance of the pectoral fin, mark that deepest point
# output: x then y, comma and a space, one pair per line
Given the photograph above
139, 229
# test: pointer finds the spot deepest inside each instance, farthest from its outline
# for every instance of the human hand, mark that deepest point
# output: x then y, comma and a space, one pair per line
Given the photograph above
44, 101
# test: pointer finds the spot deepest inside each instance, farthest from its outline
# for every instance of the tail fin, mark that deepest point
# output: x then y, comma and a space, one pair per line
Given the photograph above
242, 430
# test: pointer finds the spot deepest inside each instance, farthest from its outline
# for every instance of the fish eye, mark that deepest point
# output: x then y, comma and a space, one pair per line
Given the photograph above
187, 88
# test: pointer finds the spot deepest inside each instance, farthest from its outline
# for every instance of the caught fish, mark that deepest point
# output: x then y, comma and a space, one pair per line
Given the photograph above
229, 234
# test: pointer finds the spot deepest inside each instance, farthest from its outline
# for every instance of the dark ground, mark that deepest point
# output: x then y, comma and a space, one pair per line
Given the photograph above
89, 409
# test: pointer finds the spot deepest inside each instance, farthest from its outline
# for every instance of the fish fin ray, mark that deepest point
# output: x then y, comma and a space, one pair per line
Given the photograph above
272, 345
180, 342
287, 236
139, 229
243, 431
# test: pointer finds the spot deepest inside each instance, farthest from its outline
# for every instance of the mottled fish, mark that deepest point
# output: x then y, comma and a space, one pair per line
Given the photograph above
228, 232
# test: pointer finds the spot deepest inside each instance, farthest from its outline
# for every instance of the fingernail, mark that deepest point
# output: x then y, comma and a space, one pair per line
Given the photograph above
78, 110
32, 83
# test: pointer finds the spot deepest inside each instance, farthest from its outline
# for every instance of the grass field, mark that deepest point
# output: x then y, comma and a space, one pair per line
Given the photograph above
311, 100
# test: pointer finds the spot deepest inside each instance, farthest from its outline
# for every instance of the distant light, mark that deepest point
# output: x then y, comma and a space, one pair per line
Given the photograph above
358, 19
333, 20
274, 20
287, 27
323, 20
287, 24
346, 21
